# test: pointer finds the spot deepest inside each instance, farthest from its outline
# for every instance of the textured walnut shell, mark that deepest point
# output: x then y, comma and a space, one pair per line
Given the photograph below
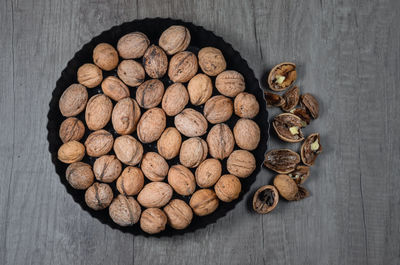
155, 194
150, 93
107, 168
128, 150
247, 134
241, 163
230, 83
281, 160
246, 105
211, 61
303, 115
179, 214
131, 72
89, 75
182, 67
310, 149
132, 45
71, 152
155, 62
154, 166
131, 181
265, 199
181, 180
309, 102
79, 175
151, 125
169, 143
220, 141
175, 99
228, 188
300, 174
200, 89
105, 56
71, 129
99, 143
98, 112
125, 116
191, 123
291, 98
288, 188
113, 87
153, 221
99, 196
273, 100
124, 210
193, 152
282, 76
208, 173
174, 39
288, 127
218, 109
204, 202
73, 100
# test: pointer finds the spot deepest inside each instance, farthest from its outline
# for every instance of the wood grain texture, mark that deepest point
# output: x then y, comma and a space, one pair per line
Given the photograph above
348, 55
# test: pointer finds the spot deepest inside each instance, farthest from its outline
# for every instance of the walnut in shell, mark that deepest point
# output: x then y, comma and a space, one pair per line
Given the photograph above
208, 173
132, 45
89, 75
175, 99
155, 62
191, 123
169, 143
179, 214
107, 168
181, 180
99, 196
113, 87
204, 202
105, 56
218, 109
71, 129
246, 105
151, 125
200, 89
128, 150
182, 67
98, 112
220, 141
228, 188
153, 221
174, 39
150, 93
131, 72
247, 134
241, 163
193, 152
155, 194
154, 166
230, 83
131, 181
124, 210
211, 61
71, 152
79, 175
99, 143
125, 116
73, 100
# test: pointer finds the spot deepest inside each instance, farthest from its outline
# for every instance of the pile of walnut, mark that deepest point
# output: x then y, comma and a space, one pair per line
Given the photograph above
288, 127
150, 191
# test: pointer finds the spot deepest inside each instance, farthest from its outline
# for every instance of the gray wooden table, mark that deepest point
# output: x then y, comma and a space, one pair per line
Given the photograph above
348, 55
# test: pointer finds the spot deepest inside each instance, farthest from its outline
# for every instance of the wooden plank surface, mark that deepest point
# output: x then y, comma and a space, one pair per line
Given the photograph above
348, 54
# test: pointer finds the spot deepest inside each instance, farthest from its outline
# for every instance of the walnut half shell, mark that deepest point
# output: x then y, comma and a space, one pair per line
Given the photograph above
282, 160
310, 149
288, 127
282, 76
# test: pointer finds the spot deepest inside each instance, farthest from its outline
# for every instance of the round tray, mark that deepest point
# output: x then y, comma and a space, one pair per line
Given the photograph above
153, 29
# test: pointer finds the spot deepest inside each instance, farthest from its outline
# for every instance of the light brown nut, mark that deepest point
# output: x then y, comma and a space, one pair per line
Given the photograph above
128, 150
99, 143
169, 143
191, 123
247, 134
179, 214
220, 141
71, 129
310, 149
113, 87
131, 72
282, 76
71, 152
155, 194
131, 181
230, 83
193, 152
273, 100
154, 166
125, 116
175, 99
98, 196
73, 100
282, 161
155, 62
79, 175
208, 173
182, 67
241, 163
228, 188
132, 45
288, 127
265, 199
107, 168
218, 109
153, 221
181, 180
151, 125
98, 112
310, 103
200, 89
204, 202
211, 61
89, 75
124, 210
105, 56
291, 98
150, 93
174, 39
246, 105
288, 188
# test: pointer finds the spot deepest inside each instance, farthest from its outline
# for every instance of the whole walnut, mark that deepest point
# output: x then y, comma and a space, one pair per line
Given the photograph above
181, 180
155, 62
228, 188
200, 89
98, 112
89, 75
151, 125
99, 196
175, 99
179, 214
211, 61
124, 210
155, 194
169, 143
128, 150
154, 166
150, 93
208, 173
247, 134
191, 123
241, 163
131, 72
289, 189
246, 105
99, 143
79, 175
105, 56
193, 152
125, 116
73, 100
132, 45
230, 83
71, 152
174, 39
71, 129
204, 202
113, 87
220, 141
218, 109
131, 181
182, 67
107, 168
153, 221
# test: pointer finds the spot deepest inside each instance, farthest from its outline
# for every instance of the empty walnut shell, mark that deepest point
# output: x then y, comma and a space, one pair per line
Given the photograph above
191, 123
107, 168
73, 100
128, 150
246, 105
155, 62
105, 56
125, 116
310, 149
151, 125
131, 181
153, 221
154, 166
124, 210
204, 202
89, 75
150, 93
230, 83
182, 67
169, 143
241, 163
282, 76
273, 100
303, 115
79, 175
113, 87
131, 72
291, 98
71, 129
220, 141
155, 194
71, 152
175, 99
99, 143
179, 214
288, 127
247, 134
193, 152
218, 109
208, 172
265, 199
132, 45
200, 89
211, 61
99, 196
282, 160
174, 39
228, 188
181, 180
300, 174
309, 102
98, 112
288, 188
